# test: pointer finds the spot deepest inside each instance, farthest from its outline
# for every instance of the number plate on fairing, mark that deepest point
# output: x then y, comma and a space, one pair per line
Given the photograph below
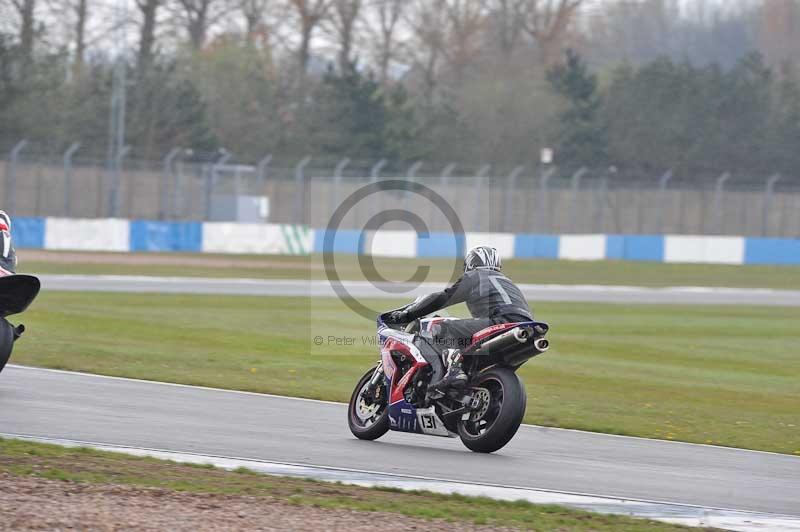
430, 423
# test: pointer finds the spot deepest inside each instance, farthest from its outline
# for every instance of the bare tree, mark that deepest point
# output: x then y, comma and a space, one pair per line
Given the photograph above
26, 10
383, 40
505, 24
147, 32
310, 14
253, 11
447, 38
465, 22
547, 22
199, 15
427, 21
343, 17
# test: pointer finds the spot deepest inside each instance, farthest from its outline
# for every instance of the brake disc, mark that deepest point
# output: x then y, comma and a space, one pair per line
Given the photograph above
484, 397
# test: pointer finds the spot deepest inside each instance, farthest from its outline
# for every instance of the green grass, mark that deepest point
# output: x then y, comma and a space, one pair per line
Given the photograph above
727, 375
98, 467
521, 271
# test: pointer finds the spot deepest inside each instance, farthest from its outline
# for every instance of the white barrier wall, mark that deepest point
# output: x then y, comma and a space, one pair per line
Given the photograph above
582, 247
223, 237
385, 243
502, 242
704, 249
108, 234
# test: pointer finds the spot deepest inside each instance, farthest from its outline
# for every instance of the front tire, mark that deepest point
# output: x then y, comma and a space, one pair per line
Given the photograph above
368, 422
496, 422
6, 342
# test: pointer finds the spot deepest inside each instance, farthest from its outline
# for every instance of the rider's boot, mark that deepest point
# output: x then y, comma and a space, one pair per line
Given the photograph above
455, 377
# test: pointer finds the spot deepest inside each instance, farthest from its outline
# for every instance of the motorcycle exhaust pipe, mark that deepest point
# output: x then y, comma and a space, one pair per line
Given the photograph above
541, 344
508, 338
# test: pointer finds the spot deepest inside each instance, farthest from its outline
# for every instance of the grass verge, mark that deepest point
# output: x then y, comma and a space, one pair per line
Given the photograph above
347, 266
98, 467
725, 375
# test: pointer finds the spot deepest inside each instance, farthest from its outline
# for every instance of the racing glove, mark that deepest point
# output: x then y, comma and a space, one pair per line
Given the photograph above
399, 316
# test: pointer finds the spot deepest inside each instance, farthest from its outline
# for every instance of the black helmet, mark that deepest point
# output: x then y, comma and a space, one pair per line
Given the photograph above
482, 257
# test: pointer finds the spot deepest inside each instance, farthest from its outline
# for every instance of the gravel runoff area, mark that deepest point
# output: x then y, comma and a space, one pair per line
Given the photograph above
30, 503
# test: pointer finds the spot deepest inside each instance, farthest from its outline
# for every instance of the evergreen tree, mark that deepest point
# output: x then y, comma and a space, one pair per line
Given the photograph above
581, 138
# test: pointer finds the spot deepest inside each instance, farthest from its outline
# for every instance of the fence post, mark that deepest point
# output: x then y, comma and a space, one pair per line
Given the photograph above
300, 186
663, 181
261, 171
113, 194
75, 146
508, 197
375, 171
543, 203
602, 196
575, 185
165, 177
178, 198
719, 189
768, 195
446, 173
337, 183
211, 178
411, 174
480, 175
11, 175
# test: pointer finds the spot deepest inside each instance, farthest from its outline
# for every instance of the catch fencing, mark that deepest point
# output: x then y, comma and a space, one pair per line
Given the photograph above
515, 199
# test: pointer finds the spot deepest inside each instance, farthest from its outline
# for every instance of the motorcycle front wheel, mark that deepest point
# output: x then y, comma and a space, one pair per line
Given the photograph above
503, 401
6, 342
368, 419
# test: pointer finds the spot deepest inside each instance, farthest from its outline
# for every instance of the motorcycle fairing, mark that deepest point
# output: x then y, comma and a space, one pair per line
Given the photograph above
17, 291
403, 416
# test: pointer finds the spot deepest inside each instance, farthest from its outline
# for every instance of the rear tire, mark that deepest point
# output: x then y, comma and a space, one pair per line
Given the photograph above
366, 424
6, 342
493, 426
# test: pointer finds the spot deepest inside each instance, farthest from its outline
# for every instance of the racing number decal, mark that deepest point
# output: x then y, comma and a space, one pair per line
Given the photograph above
496, 281
428, 422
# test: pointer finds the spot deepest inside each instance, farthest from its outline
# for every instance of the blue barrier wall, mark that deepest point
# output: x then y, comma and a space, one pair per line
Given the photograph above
440, 245
28, 232
166, 236
635, 247
145, 235
771, 251
344, 241
536, 246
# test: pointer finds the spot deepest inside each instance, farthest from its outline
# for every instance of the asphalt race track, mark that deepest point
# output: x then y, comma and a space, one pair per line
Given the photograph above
322, 288
73, 406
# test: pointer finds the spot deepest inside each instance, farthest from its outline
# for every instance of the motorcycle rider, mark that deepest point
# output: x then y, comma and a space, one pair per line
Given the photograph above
8, 256
491, 298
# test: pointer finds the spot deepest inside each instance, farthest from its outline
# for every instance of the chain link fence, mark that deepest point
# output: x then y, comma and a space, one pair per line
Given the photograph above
519, 199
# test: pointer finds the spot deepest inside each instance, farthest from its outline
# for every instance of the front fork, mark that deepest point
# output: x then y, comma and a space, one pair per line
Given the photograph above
371, 392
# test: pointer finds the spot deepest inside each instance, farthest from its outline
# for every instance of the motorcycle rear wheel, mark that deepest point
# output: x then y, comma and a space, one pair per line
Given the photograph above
367, 422
497, 421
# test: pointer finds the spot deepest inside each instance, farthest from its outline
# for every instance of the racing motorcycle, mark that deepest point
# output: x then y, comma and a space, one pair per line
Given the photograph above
17, 292
395, 394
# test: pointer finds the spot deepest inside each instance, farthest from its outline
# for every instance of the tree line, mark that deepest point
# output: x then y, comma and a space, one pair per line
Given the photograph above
646, 85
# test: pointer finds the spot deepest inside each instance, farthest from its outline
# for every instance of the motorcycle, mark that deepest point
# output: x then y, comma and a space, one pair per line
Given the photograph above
395, 394
17, 292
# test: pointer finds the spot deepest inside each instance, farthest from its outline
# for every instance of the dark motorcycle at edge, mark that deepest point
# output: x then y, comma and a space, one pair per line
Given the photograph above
17, 292
394, 395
